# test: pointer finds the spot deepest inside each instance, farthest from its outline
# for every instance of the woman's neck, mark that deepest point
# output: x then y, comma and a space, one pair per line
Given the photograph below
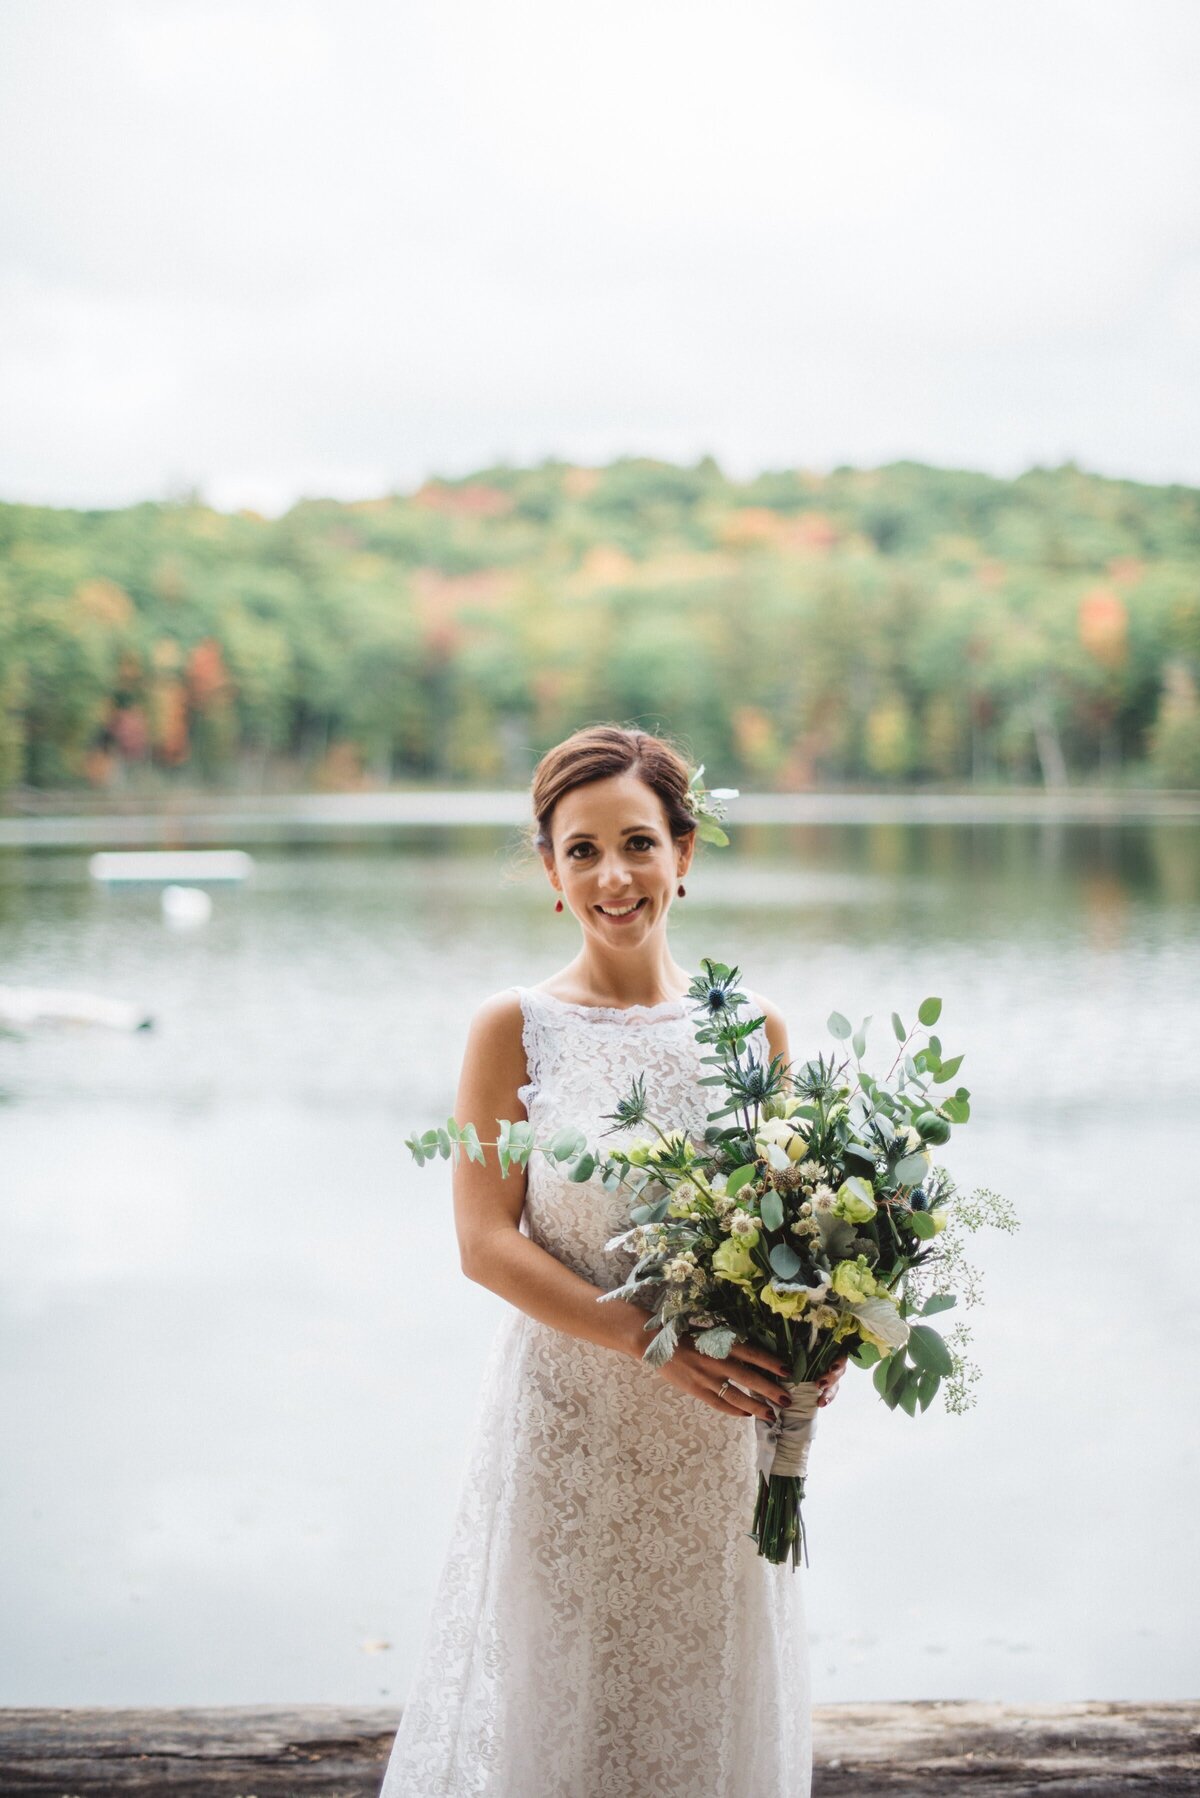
649, 978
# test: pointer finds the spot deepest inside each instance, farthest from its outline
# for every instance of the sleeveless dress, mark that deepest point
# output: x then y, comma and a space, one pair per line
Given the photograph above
603, 1626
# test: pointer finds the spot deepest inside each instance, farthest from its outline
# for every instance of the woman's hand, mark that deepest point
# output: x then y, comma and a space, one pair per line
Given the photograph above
758, 1370
828, 1382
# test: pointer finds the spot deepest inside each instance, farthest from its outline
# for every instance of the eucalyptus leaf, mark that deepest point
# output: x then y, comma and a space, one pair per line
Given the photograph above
938, 1301
582, 1169
740, 1177
929, 1011
948, 1069
923, 1225
898, 1027
784, 1261
838, 1026
771, 1210
912, 1169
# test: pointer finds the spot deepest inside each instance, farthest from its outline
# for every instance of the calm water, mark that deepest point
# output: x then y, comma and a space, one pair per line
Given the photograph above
238, 1357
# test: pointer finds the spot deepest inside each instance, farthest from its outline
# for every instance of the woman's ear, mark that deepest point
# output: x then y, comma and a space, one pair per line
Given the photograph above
686, 848
551, 871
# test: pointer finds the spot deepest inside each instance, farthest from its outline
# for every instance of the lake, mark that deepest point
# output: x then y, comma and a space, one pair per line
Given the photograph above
239, 1360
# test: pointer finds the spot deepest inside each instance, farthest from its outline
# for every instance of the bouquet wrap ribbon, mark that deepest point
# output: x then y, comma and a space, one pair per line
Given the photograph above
783, 1444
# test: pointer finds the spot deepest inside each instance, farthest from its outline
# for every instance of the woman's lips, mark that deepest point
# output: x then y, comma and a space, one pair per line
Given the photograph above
626, 917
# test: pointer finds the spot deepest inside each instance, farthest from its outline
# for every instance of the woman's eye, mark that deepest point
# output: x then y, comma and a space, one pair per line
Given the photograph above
641, 842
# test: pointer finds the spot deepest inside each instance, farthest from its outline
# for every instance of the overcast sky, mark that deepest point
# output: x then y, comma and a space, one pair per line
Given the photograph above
329, 248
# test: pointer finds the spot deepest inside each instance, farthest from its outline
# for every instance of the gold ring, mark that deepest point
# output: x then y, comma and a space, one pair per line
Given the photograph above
722, 1386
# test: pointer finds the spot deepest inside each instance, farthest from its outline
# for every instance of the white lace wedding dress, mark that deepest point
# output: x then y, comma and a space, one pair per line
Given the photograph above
603, 1626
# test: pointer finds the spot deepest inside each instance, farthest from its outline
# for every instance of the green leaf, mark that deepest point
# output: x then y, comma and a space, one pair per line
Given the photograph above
740, 1177
939, 1301
898, 1027
838, 1026
784, 1261
583, 1169
443, 1141
429, 1140
912, 1169
879, 1378
859, 1039
927, 1385
771, 1210
907, 1397
948, 1069
929, 1350
565, 1143
957, 1110
923, 1225
711, 833
897, 1369
929, 1011
866, 1356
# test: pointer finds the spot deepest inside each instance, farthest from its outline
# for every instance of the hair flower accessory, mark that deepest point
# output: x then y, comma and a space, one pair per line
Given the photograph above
707, 806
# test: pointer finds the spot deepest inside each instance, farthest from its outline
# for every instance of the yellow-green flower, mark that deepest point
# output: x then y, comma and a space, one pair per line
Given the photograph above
788, 1304
855, 1200
854, 1279
940, 1219
733, 1261
784, 1136
638, 1151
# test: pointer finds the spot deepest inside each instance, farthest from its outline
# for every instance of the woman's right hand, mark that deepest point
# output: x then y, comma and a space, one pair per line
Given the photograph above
758, 1370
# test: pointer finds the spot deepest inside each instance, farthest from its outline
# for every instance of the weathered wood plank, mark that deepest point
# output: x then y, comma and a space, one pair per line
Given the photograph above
917, 1750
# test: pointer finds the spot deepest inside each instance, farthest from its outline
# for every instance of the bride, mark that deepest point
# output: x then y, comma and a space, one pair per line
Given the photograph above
603, 1626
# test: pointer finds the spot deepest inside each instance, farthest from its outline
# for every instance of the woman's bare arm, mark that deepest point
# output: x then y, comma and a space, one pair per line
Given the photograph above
487, 1207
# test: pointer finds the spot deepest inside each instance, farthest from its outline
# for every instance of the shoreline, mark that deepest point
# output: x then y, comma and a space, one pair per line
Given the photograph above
198, 818
921, 1748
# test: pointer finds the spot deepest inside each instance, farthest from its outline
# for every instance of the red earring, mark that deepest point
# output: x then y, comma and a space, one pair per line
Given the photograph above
558, 906
682, 894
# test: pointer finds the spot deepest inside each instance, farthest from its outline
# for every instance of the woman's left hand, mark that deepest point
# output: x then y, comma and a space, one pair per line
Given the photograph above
828, 1382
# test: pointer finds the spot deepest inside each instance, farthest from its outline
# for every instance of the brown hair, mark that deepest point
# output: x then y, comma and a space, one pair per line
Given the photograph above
600, 751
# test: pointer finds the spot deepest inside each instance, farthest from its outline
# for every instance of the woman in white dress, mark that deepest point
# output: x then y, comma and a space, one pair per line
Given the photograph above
603, 1626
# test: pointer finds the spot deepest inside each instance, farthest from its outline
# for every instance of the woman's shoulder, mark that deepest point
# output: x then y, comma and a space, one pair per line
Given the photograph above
776, 1024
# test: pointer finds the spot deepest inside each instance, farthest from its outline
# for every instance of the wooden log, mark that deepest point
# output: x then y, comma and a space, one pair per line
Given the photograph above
913, 1750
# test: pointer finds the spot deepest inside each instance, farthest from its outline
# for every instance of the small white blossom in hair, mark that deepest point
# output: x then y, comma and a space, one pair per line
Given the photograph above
707, 806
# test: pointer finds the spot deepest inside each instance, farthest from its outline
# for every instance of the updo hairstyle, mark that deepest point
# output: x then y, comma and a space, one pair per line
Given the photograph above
599, 751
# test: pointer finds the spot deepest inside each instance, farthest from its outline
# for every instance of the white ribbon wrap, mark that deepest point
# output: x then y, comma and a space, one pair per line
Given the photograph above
783, 1445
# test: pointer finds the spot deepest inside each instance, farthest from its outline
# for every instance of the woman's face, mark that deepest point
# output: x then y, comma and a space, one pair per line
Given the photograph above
614, 859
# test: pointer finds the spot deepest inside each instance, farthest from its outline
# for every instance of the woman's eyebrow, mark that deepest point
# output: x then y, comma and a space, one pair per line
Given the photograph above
628, 830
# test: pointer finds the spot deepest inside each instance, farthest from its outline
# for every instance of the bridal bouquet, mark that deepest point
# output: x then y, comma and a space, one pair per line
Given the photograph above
811, 1220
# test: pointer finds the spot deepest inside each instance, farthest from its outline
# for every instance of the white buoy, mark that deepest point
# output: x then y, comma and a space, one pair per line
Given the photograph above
150, 866
186, 908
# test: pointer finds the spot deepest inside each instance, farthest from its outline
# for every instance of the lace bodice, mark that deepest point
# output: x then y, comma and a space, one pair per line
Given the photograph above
581, 1059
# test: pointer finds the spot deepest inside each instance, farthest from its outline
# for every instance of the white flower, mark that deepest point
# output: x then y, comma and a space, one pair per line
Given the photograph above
680, 1267
812, 1170
742, 1224
823, 1197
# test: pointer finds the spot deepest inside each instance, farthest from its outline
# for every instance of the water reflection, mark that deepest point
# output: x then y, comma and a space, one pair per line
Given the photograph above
240, 1357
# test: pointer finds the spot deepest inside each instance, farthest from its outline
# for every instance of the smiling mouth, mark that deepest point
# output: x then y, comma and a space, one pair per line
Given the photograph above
621, 911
